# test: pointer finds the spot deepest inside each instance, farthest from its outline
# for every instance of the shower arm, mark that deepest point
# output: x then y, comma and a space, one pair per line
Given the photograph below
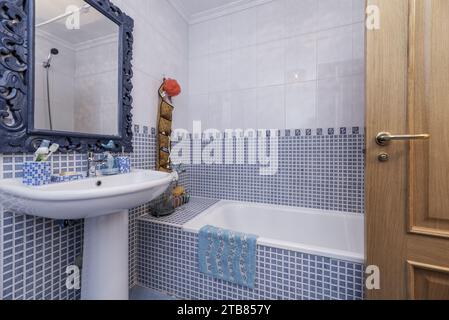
62, 16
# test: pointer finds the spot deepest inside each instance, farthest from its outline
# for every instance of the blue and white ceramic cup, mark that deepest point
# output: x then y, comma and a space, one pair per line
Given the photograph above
123, 164
36, 173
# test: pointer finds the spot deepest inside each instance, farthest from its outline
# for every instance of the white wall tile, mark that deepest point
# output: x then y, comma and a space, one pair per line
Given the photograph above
244, 109
271, 55
358, 100
300, 105
271, 63
244, 68
271, 107
270, 21
301, 17
199, 75
220, 34
358, 10
161, 48
199, 39
333, 13
182, 116
335, 102
220, 72
199, 108
244, 28
301, 59
358, 48
218, 111
145, 98
335, 54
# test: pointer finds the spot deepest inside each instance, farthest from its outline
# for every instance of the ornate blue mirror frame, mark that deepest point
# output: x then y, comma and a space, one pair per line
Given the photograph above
17, 132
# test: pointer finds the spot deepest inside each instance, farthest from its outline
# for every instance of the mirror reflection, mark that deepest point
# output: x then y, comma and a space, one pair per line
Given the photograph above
76, 69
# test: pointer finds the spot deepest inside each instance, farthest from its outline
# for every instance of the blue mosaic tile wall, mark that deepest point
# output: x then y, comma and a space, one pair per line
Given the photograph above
35, 252
168, 262
143, 157
320, 169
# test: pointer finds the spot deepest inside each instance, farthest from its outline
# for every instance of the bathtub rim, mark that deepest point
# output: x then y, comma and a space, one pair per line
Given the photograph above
288, 245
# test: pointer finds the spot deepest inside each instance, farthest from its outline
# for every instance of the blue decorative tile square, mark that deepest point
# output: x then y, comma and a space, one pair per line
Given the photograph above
36, 173
124, 164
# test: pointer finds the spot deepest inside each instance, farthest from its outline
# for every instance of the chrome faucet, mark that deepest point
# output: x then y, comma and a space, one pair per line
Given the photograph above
92, 164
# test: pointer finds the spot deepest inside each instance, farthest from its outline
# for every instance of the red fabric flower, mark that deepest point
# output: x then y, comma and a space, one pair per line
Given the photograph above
172, 87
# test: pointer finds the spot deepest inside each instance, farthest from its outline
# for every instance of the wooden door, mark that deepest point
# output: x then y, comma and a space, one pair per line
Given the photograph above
407, 181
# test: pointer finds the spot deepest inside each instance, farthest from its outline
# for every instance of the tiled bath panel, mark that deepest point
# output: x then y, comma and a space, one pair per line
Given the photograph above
168, 263
35, 251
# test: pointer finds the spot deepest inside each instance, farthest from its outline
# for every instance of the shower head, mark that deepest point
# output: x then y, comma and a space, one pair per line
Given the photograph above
53, 52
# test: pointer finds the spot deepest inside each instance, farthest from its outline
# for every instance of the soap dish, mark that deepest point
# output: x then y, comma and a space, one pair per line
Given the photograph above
66, 178
109, 172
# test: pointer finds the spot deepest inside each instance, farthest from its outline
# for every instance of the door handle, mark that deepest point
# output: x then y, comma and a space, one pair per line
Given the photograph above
384, 138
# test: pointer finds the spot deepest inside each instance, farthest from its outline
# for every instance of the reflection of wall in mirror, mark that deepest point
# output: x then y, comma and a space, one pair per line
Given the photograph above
62, 84
83, 85
83, 77
96, 83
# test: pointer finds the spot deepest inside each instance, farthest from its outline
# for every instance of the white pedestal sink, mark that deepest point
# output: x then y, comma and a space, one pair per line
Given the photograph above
104, 203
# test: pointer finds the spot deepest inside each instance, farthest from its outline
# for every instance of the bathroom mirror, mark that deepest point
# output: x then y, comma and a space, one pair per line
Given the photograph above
75, 68
66, 76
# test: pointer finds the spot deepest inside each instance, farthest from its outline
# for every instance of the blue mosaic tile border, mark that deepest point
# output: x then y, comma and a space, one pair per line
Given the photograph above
279, 133
168, 263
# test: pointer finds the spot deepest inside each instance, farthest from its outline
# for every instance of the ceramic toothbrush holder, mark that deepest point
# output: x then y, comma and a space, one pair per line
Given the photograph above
124, 164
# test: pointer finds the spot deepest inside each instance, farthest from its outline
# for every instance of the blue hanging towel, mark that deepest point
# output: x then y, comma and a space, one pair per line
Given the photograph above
228, 255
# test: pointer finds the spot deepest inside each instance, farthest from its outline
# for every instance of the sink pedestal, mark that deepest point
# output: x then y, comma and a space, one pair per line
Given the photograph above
105, 258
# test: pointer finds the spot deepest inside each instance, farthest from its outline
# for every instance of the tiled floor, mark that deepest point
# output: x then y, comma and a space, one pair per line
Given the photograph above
139, 293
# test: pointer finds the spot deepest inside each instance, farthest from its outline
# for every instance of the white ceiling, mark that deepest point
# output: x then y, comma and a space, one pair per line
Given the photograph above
192, 7
195, 10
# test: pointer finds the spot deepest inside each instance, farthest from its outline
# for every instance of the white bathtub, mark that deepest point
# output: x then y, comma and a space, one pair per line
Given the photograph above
323, 233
